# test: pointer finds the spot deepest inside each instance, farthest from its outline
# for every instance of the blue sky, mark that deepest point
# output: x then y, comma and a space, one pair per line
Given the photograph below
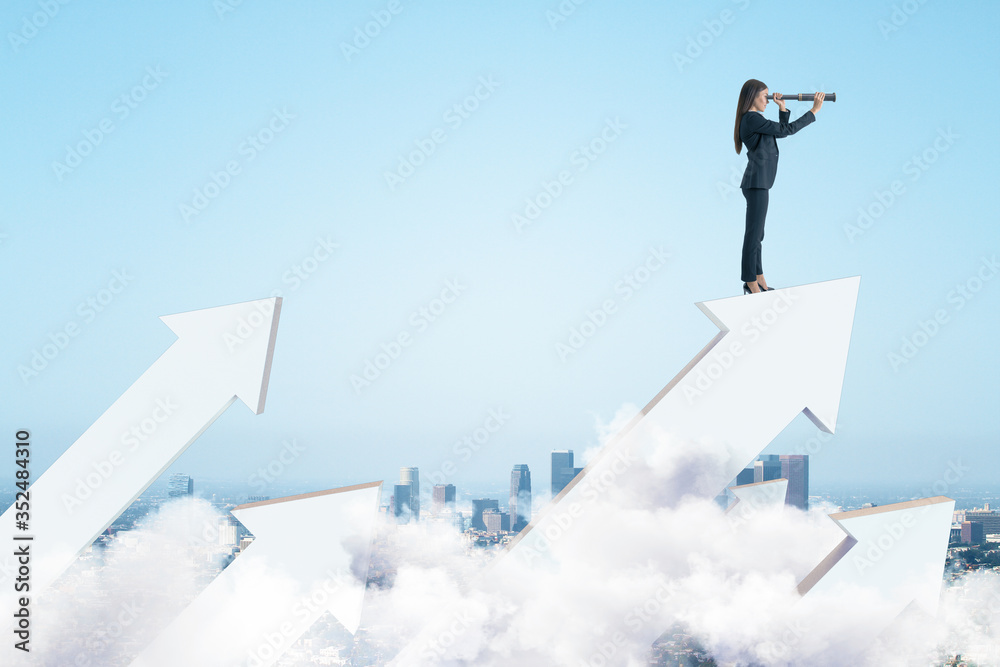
331, 122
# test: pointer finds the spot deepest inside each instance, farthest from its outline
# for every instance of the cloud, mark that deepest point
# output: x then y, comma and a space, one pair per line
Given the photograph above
729, 583
114, 600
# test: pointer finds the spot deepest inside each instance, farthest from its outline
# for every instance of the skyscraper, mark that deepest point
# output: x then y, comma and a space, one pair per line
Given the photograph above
180, 485
795, 468
442, 495
478, 506
401, 508
520, 497
767, 467
411, 475
496, 521
563, 471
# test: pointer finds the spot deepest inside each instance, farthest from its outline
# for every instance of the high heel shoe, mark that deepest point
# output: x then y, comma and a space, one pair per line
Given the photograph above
746, 289
766, 289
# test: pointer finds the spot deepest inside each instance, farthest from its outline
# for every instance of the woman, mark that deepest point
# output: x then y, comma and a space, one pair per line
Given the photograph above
759, 135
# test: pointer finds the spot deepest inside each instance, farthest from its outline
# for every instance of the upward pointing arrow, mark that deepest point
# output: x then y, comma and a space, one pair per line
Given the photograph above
310, 556
221, 354
777, 354
891, 556
752, 498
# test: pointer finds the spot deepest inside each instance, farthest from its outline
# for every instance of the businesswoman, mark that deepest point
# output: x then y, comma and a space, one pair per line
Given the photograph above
759, 135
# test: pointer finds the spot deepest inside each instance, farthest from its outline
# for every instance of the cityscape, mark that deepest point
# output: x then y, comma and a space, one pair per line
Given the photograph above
486, 525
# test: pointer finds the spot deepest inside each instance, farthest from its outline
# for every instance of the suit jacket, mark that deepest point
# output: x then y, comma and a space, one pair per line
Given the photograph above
759, 135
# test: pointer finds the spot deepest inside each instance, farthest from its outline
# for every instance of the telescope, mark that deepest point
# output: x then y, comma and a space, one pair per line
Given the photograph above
804, 97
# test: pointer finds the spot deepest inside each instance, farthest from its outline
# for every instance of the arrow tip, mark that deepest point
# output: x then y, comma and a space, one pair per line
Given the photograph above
809, 326
287, 539
234, 341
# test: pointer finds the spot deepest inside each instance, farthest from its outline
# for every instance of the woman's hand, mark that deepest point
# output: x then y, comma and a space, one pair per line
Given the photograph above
818, 102
780, 102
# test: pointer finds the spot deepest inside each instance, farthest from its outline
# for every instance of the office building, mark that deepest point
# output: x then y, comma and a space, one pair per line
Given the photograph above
766, 468
479, 505
972, 532
411, 475
990, 519
520, 497
795, 468
231, 531
401, 508
496, 521
563, 471
442, 497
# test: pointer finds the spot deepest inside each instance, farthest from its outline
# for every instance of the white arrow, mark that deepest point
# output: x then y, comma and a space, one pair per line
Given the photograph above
310, 555
756, 497
891, 556
221, 354
778, 353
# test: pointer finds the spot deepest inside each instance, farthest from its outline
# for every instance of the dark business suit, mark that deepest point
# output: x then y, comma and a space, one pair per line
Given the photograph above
759, 135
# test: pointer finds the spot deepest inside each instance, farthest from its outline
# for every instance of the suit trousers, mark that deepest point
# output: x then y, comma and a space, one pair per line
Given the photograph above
751, 267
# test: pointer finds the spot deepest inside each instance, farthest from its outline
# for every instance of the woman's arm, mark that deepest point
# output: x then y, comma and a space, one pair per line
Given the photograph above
757, 123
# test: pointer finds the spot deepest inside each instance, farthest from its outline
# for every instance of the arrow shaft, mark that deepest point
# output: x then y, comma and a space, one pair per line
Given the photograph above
114, 461
274, 591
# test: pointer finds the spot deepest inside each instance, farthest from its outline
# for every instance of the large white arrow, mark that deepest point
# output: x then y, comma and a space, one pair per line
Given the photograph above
221, 354
310, 555
777, 354
891, 556
754, 498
